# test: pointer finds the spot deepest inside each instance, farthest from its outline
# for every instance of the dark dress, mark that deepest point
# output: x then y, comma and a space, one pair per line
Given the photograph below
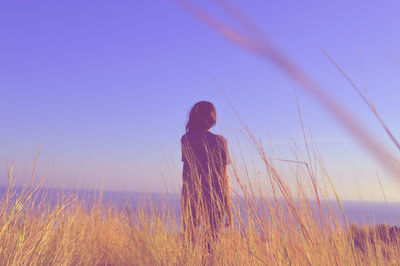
205, 185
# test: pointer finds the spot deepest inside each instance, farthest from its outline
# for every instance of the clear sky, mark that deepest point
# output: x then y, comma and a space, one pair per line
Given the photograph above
104, 87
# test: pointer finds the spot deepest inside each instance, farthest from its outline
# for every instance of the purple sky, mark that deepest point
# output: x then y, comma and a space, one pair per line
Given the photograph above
104, 87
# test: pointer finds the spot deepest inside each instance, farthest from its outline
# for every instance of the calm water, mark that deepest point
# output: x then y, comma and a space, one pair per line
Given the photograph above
367, 212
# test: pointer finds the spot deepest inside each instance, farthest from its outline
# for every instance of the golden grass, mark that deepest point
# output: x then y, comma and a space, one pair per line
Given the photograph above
285, 228
289, 222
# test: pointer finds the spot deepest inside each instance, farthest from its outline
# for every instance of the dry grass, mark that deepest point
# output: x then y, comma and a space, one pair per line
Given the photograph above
285, 227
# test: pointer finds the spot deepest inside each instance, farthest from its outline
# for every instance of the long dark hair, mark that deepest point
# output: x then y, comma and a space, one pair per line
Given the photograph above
202, 116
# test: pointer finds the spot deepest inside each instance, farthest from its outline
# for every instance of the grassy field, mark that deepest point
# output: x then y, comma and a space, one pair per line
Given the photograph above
283, 229
290, 221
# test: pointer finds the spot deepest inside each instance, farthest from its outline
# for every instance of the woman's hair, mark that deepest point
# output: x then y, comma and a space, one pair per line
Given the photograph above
202, 116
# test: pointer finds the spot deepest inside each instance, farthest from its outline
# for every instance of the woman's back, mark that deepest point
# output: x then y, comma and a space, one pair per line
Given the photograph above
205, 156
205, 150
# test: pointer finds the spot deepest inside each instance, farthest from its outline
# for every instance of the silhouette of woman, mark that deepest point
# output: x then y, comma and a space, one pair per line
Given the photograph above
205, 198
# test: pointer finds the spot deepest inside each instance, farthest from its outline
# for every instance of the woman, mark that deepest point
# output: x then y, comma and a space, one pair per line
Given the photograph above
205, 198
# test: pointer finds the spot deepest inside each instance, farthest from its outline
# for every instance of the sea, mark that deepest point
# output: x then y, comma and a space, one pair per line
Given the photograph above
352, 212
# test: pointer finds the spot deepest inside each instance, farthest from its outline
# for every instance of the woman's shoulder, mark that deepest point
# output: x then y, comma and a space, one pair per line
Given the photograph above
209, 136
188, 137
218, 138
184, 137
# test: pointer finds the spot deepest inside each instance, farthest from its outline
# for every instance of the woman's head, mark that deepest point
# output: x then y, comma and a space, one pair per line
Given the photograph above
202, 116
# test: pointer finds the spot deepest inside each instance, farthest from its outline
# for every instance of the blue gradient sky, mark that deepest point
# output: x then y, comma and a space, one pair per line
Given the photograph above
104, 87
